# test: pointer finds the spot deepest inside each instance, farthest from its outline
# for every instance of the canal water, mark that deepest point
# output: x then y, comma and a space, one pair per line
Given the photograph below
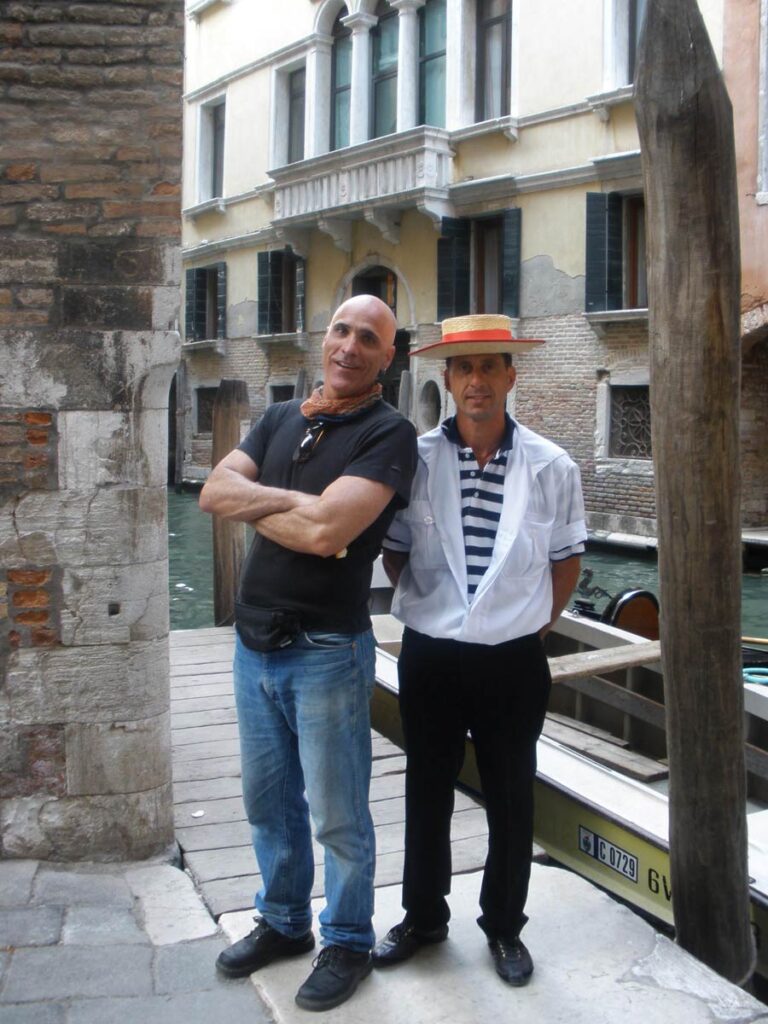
191, 572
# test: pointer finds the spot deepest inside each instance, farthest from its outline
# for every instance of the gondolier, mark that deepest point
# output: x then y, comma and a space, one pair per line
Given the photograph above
484, 559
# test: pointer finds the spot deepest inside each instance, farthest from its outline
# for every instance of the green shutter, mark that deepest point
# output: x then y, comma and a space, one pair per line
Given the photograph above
614, 252
269, 307
190, 284
510, 262
221, 300
300, 305
453, 266
605, 255
595, 281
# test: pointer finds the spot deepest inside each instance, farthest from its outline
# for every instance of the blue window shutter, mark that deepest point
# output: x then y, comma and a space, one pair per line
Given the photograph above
510, 262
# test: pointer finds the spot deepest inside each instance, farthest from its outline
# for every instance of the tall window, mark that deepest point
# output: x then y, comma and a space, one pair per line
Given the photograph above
296, 101
487, 265
636, 16
205, 314
281, 293
217, 163
384, 72
432, 63
635, 279
494, 56
615, 257
478, 265
341, 82
211, 151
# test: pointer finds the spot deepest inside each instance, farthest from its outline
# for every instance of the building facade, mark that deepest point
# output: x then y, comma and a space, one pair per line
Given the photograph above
450, 156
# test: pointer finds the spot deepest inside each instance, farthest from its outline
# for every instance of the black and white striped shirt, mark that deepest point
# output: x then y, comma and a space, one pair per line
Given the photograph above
482, 496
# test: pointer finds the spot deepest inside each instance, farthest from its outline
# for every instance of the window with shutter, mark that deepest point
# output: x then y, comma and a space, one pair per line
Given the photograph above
281, 292
453, 268
478, 265
615, 252
205, 306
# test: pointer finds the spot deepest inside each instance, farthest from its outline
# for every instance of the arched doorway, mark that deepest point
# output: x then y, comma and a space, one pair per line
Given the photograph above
382, 282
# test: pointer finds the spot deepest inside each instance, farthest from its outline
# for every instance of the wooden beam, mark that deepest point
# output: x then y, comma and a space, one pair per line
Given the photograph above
612, 659
689, 172
230, 410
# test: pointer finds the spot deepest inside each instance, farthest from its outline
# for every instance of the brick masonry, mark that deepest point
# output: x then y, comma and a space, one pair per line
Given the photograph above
28, 451
90, 173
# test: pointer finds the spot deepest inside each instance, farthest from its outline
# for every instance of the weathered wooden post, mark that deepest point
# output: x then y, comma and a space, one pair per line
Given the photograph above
229, 410
181, 419
404, 393
685, 123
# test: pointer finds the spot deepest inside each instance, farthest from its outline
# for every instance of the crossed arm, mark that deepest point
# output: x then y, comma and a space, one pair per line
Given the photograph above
316, 524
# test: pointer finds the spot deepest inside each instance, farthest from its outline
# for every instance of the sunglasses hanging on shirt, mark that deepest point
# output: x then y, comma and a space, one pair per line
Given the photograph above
307, 444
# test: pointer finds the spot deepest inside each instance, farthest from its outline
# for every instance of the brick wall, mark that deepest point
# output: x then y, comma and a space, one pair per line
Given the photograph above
90, 157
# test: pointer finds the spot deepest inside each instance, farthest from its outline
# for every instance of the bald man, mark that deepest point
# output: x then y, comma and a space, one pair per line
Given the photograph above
319, 482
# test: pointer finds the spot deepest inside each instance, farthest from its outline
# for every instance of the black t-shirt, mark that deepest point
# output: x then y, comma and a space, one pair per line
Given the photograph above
328, 593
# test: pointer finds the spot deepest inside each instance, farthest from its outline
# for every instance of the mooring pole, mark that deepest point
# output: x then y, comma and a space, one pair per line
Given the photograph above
686, 132
230, 409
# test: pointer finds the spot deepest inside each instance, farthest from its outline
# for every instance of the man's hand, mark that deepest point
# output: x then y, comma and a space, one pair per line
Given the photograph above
394, 562
565, 576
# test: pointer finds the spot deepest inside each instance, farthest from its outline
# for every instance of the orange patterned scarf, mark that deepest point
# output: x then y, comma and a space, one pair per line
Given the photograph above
316, 406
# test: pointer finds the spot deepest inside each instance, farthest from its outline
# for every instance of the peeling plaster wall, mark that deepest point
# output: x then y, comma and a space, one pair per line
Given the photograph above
90, 162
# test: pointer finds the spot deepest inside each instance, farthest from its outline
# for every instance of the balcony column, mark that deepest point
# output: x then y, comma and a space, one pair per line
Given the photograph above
317, 130
360, 102
407, 62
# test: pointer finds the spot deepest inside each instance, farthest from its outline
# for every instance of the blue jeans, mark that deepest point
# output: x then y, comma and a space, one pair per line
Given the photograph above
305, 742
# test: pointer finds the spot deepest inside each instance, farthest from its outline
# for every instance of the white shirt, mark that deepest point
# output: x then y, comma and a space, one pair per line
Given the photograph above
542, 515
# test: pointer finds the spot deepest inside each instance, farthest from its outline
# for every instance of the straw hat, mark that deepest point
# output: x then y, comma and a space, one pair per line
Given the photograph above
481, 334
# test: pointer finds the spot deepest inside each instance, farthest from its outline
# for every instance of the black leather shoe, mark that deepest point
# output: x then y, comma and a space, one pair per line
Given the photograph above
337, 973
402, 941
513, 961
263, 945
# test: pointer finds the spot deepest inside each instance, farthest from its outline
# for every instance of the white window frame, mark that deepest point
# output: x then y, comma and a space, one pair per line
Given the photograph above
281, 103
605, 463
205, 148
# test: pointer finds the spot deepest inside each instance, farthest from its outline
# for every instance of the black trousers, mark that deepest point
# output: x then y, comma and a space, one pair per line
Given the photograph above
499, 693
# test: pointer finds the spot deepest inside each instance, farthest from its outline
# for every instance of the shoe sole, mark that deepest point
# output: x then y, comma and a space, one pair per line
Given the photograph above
386, 961
245, 972
516, 982
328, 1004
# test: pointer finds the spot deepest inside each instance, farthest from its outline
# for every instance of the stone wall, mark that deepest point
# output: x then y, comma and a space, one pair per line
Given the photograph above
90, 159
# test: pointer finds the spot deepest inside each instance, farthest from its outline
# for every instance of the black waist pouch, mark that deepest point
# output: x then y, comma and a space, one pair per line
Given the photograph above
266, 629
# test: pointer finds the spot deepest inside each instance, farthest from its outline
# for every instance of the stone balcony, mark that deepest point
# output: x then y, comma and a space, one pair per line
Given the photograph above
374, 181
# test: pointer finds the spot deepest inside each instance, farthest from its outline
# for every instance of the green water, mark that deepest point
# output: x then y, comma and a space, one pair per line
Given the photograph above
190, 563
191, 572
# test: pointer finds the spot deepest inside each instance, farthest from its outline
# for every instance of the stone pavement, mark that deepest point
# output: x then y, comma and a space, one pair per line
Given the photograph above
134, 944
109, 943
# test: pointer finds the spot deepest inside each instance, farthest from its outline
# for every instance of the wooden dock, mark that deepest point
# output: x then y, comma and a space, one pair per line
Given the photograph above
210, 821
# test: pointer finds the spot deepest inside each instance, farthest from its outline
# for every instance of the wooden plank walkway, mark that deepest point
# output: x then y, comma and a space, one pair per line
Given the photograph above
210, 822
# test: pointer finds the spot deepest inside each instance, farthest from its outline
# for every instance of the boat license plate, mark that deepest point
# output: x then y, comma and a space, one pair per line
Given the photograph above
608, 853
